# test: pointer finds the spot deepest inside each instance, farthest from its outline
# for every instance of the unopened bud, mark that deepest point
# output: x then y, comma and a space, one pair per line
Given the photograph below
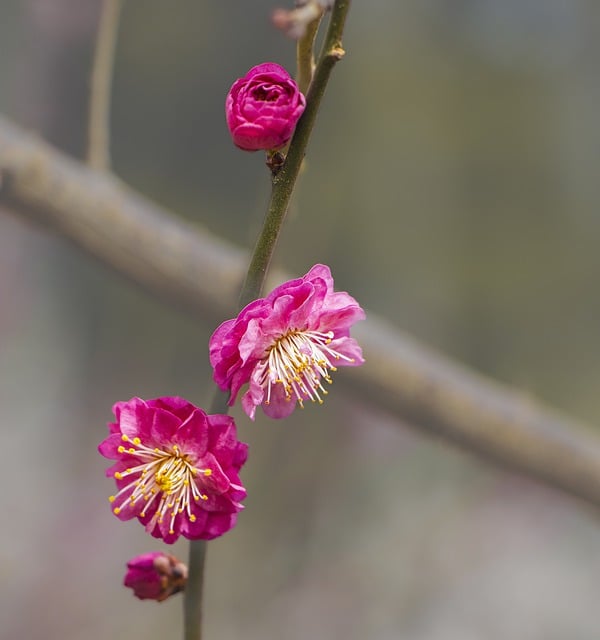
155, 576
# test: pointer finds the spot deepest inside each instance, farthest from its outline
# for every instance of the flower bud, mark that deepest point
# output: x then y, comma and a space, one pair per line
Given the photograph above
263, 107
155, 576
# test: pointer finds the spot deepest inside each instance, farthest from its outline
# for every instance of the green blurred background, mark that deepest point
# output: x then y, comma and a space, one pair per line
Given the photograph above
452, 185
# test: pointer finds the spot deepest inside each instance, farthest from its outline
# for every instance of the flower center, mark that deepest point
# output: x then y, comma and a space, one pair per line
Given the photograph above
300, 360
266, 93
167, 476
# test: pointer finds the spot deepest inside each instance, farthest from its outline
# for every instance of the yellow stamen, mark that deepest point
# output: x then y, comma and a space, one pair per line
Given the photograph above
299, 361
167, 477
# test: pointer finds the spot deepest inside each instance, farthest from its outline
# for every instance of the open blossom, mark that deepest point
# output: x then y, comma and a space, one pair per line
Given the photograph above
155, 576
263, 107
286, 345
177, 468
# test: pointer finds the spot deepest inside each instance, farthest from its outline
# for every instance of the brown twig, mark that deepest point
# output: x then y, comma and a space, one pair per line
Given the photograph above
98, 153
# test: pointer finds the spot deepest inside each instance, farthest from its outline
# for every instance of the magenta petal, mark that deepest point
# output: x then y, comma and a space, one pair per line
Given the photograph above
217, 482
222, 437
249, 406
239, 459
179, 407
268, 68
134, 418
254, 342
349, 348
339, 320
109, 447
164, 426
195, 530
280, 406
321, 271
192, 435
252, 398
217, 524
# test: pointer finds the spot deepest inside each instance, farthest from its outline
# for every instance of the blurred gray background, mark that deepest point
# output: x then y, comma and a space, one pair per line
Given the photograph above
452, 185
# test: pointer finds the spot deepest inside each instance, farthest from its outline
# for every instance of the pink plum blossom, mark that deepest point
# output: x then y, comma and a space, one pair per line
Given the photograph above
286, 345
263, 107
177, 468
155, 576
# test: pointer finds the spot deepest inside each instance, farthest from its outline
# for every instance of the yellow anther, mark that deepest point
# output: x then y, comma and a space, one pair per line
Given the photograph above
112, 498
131, 450
121, 449
116, 511
192, 518
118, 475
208, 472
137, 441
125, 438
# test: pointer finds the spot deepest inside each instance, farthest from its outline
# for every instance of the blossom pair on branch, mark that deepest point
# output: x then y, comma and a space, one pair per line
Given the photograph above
177, 467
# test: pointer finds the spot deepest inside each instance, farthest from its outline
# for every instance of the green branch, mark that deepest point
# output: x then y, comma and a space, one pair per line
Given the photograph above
284, 181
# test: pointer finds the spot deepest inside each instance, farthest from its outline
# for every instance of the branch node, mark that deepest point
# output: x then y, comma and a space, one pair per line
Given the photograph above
337, 53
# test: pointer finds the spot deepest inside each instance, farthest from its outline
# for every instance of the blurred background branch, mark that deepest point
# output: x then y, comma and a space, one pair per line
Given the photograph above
185, 265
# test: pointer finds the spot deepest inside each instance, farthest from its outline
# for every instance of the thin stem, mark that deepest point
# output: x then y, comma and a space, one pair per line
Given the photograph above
283, 183
305, 60
98, 155
282, 188
192, 601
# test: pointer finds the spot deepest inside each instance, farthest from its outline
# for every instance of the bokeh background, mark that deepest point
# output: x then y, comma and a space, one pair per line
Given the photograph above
452, 185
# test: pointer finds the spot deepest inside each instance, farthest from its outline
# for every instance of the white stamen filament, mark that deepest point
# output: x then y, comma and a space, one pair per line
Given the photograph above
300, 361
169, 476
